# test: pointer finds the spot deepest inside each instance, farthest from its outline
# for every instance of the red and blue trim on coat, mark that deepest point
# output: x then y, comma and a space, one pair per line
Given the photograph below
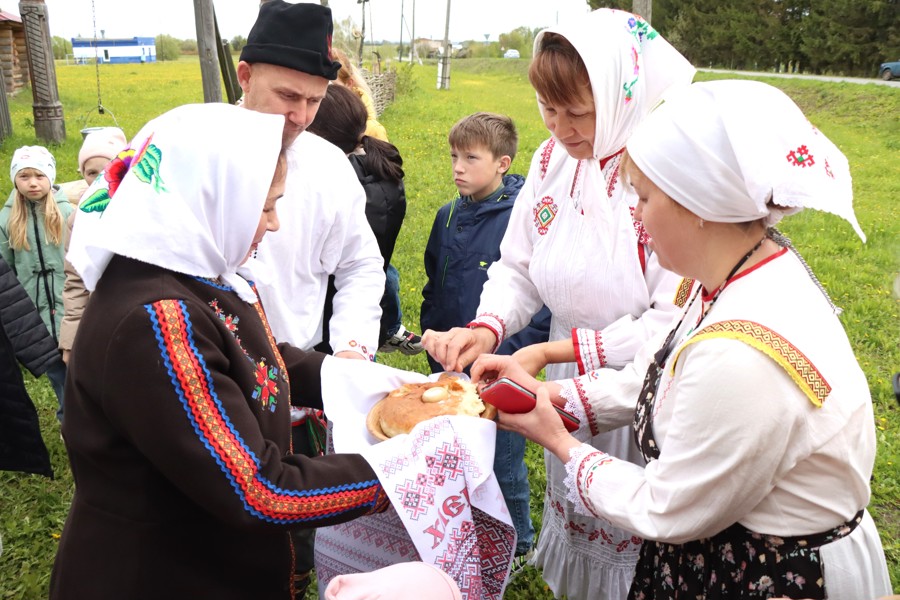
195, 389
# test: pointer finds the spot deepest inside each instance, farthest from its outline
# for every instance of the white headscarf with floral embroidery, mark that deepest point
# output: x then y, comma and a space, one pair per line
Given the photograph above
631, 68
726, 149
186, 195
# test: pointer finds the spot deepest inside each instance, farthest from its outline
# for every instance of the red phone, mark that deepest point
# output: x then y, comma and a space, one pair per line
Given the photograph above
509, 396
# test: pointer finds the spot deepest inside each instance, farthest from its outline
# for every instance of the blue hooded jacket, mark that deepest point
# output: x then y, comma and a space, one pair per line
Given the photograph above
464, 243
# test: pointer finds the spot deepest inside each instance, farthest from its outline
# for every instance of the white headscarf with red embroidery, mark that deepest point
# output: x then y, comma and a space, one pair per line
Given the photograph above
186, 195
726, 149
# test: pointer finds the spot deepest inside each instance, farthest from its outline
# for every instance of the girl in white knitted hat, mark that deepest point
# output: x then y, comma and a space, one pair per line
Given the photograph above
32, 236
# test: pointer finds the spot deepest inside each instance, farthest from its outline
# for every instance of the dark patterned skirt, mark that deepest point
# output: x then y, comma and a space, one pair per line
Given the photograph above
736, 564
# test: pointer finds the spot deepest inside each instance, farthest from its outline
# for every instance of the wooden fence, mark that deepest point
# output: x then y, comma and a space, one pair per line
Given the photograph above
383, 86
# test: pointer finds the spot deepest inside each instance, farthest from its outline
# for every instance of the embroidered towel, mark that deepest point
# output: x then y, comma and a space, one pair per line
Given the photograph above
440, 480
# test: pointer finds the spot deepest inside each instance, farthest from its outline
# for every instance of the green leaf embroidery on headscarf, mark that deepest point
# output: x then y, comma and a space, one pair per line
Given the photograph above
96, 202
147, 168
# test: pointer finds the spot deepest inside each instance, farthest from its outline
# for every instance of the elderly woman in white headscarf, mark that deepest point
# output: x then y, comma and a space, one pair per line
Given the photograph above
753, 415
177, 424
573, 245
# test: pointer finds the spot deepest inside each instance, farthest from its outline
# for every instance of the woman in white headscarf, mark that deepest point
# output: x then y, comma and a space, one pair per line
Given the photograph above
177, 424
753, 415
573, 245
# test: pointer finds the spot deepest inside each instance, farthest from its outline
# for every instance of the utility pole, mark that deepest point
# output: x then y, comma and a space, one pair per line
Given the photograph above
205, 19
400, 52
444, 75
412, 45
362, 37
49, 125
643, 8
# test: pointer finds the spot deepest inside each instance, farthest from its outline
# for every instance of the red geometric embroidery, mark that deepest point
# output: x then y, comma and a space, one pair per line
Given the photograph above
545, 156
586, 406
828, 169
581, 529
415, 497
418, 496
801, 157
230, 322
478, 555
544, 213
613, 178
575, 179
266, 389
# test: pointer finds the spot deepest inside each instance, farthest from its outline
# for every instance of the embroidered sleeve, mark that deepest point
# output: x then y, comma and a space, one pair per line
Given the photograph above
604, 399
577, 403
589, 353
583, 461
492, 322
189, 416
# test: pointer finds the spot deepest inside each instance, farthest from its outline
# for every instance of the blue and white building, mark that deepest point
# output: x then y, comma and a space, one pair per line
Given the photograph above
114, 50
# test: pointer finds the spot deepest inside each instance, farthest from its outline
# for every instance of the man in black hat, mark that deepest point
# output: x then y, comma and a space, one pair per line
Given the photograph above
285, 68
286, 64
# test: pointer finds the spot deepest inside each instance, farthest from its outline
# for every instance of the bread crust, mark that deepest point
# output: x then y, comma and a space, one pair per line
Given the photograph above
404, 408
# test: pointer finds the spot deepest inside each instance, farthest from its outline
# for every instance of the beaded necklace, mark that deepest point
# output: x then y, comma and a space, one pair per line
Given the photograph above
643, 429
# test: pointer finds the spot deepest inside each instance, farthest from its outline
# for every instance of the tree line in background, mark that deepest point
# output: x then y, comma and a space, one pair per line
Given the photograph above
847, 37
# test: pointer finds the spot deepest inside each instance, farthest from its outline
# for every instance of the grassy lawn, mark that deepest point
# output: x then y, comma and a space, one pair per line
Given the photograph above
861, 119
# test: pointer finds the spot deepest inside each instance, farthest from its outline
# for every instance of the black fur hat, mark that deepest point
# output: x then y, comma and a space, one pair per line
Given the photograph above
296, 36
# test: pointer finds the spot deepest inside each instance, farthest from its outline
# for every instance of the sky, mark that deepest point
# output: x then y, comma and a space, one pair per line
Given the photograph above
469, 19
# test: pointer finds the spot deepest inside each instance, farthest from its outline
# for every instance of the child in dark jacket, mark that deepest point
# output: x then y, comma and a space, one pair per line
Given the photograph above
23, 339
464, 242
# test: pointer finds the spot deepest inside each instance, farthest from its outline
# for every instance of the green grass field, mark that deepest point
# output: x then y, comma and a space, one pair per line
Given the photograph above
861, 119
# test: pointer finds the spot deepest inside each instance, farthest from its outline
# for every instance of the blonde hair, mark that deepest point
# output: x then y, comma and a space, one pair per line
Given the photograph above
18, 220
349, 75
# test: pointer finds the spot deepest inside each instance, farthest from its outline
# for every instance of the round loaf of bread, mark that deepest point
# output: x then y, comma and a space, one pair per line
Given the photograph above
410, 404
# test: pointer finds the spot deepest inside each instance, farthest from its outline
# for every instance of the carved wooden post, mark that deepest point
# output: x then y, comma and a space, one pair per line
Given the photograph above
5, 120
206, 48
49, 125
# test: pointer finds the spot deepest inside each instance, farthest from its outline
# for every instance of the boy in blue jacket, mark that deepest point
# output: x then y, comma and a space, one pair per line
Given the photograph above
464, 242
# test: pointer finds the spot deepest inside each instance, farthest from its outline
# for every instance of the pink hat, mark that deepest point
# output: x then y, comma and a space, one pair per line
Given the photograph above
106, 142
403, 581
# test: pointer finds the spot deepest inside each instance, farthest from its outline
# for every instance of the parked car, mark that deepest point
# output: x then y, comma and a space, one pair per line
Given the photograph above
889, 70
511, 53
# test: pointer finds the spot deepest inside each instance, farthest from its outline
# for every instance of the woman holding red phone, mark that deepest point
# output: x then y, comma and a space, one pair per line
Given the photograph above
573, 244
752, 413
